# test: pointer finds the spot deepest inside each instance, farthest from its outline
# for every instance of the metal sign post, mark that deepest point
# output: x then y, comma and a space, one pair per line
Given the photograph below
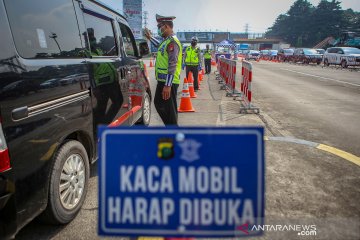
181, 182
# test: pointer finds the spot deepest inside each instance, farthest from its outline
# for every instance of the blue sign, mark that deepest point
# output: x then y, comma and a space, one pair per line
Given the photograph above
243, 46
181, 182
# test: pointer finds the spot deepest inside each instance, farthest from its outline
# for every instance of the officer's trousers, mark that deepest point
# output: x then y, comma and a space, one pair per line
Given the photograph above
167, 109
195, 71
207, 65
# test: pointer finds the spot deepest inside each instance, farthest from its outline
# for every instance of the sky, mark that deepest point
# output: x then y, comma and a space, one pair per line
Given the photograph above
221, 15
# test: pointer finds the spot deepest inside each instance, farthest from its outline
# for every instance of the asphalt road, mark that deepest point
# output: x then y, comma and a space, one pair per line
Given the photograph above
303, 185
310, 102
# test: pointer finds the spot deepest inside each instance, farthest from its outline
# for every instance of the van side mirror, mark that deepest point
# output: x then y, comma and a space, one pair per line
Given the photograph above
143, 48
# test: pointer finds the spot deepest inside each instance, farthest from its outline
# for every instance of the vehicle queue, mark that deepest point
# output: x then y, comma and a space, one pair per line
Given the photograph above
341, 56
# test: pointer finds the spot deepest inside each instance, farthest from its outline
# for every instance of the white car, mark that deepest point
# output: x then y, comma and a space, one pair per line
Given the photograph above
344, 56
252, 54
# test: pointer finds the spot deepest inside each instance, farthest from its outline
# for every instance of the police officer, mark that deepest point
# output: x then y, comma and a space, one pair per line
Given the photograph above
192, 61
167, 69
207, 59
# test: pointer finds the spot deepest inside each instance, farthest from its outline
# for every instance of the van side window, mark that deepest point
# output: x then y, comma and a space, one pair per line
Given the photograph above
44, 29
101, 36
128, 40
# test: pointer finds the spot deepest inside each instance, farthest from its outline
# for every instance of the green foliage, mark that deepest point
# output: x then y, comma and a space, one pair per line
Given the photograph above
305, 25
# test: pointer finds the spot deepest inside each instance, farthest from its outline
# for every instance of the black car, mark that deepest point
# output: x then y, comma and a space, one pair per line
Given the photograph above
306, 56
66, 66
285, 54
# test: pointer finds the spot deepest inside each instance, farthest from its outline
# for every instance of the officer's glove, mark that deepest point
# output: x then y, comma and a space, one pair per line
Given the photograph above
183, 66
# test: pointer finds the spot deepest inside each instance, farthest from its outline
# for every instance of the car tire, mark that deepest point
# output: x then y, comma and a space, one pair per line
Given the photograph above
68, 185
344, 64
326, 62
146, 111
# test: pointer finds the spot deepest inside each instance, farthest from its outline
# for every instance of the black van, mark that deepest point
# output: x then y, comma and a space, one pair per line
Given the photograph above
66, 66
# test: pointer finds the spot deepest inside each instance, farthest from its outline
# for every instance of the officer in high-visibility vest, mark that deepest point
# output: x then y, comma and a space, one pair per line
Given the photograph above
192, 61
167, 69
207, 59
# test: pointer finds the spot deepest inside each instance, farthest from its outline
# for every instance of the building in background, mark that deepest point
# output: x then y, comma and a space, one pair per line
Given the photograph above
256, 41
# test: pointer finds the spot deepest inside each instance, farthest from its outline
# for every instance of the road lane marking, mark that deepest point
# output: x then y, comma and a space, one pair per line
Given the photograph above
330, 79
294, 140
335, 151
348, 156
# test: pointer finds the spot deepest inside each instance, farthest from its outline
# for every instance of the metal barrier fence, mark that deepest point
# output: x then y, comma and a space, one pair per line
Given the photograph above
246, 89
227, 76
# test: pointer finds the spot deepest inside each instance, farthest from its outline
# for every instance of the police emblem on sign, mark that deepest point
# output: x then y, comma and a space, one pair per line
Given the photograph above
165, 148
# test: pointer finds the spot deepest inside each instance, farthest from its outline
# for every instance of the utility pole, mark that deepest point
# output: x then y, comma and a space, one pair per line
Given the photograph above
246, 28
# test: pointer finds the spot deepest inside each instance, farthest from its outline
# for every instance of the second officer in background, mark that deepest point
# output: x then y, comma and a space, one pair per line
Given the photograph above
207, 59
192, 61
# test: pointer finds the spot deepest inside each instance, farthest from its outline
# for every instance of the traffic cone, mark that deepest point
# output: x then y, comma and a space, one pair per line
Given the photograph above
201, 76
191, 88
190, 77
151, 63
185, 103
146, 72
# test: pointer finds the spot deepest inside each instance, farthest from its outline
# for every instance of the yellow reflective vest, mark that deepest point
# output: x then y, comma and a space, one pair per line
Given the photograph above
162, 61
207, 54
192, 56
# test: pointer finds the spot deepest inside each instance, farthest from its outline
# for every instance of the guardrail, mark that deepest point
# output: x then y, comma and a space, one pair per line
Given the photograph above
246, 88
226, 69
226, 74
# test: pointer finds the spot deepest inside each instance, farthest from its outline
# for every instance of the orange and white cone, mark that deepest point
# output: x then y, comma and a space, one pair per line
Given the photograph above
151, 63
201, 76
185, 103
190, 77
191, 88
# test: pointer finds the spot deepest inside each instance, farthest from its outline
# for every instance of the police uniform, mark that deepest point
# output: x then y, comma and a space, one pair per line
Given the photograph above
167, 73
207, 60
192, 59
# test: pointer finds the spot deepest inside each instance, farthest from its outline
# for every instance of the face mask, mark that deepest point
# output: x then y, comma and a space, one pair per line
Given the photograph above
160, 33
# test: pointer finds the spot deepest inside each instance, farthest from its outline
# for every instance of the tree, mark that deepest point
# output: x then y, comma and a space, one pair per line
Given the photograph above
326, 21
304, 25
292, 26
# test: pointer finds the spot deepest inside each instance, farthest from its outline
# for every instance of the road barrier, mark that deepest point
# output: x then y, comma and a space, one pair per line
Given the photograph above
246, 89
227, 76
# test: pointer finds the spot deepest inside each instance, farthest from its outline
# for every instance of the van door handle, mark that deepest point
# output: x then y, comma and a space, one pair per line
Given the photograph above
20, 113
